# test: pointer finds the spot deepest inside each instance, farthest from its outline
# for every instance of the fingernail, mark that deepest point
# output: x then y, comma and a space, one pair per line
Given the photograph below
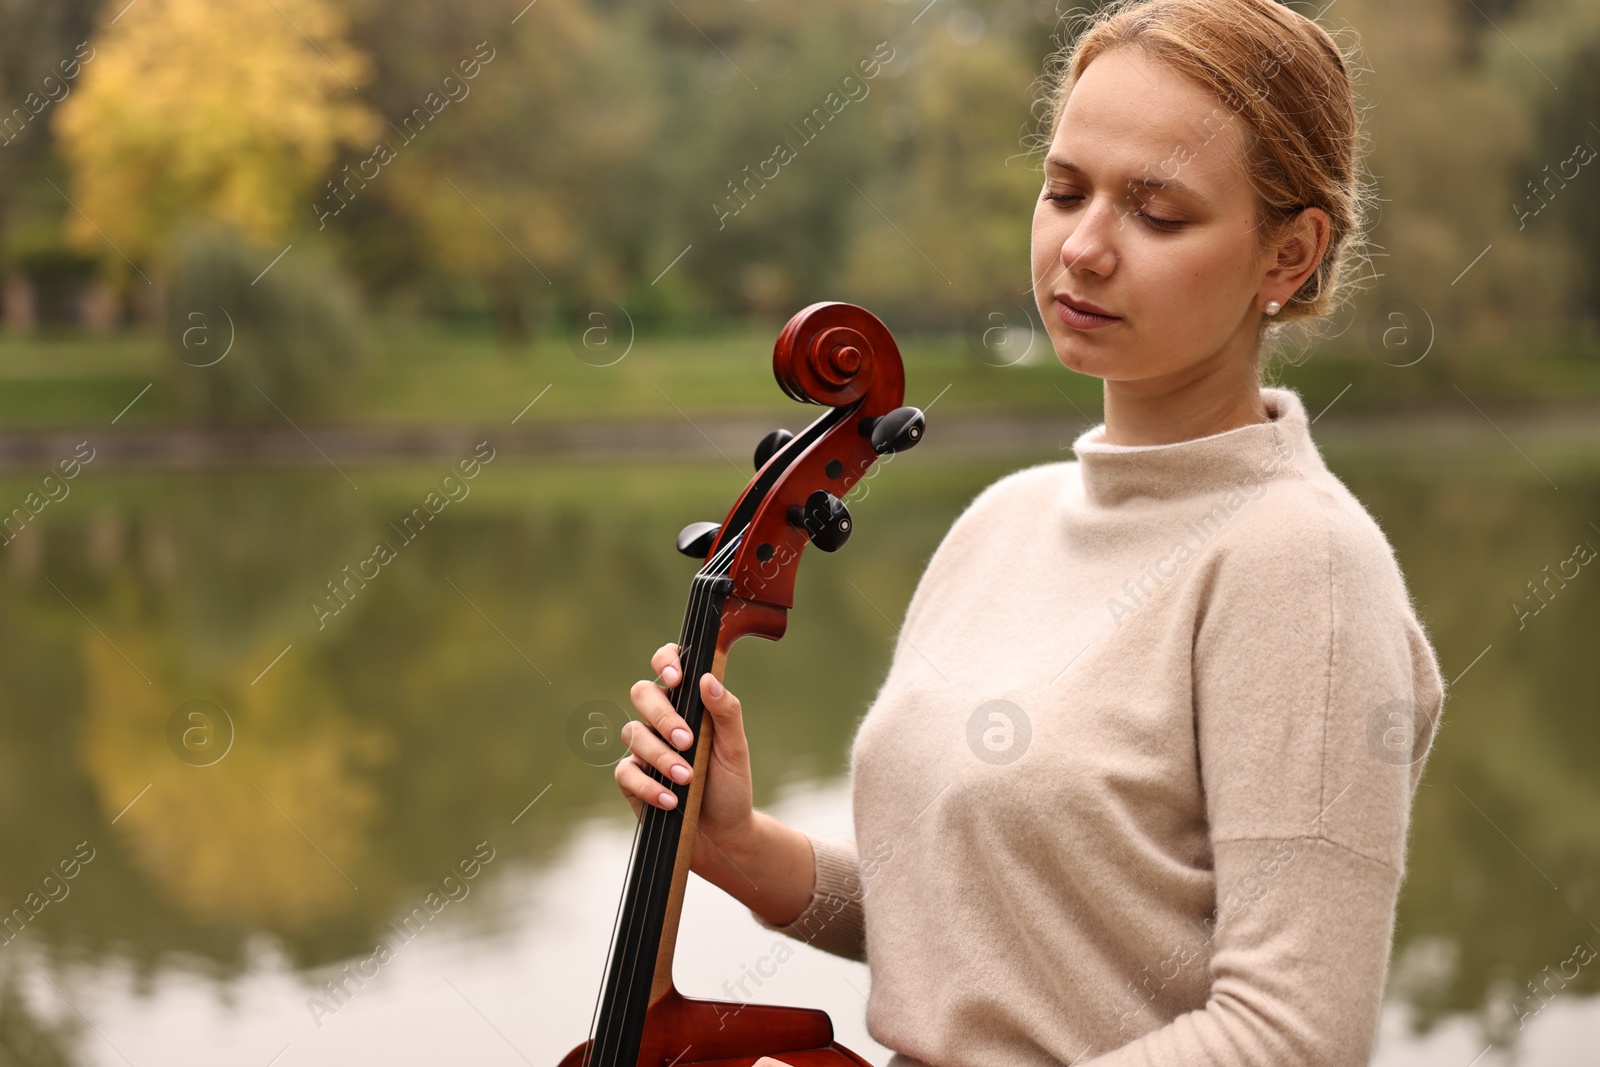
715, 686
669, 800
670, 675
680, 774
681, 737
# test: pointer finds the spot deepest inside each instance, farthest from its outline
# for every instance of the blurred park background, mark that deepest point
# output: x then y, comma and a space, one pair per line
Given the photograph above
276, 274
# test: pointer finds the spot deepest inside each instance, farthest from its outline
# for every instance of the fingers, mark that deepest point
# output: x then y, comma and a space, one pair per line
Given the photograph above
665, 664
653, 752
648, 745
635, 783
728, 718
655, 707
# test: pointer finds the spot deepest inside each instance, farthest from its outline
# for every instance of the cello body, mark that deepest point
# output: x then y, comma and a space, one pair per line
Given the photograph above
707, 1033
843, 358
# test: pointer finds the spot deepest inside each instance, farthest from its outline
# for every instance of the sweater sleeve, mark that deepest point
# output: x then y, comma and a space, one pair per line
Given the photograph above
1316, 695
833, 921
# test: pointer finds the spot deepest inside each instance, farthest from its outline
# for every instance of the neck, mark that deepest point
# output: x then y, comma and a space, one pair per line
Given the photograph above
1236, 459
1161, 411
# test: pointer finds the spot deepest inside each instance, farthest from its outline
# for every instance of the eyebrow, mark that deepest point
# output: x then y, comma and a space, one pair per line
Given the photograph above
1148, 183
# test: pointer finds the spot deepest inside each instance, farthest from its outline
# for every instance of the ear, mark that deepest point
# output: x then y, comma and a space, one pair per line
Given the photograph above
1299, 251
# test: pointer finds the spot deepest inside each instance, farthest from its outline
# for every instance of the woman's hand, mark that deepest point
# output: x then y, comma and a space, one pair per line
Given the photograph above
768, 1061
726, 807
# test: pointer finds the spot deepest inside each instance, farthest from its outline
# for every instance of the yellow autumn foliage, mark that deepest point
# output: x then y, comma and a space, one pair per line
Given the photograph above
223, 111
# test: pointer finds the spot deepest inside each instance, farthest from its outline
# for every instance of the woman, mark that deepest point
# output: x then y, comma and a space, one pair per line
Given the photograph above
1137, 786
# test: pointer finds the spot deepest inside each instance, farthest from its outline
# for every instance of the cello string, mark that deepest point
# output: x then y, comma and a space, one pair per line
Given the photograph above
655, 830
600, 996
618, 981
701, 627
598, 1041
649, 857
700, 623
592, 1049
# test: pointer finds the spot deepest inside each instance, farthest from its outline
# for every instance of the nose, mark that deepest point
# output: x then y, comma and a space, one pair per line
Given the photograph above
1091, 244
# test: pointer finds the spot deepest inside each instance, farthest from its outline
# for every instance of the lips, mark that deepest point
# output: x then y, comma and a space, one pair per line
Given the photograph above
1084, 306
1083, 316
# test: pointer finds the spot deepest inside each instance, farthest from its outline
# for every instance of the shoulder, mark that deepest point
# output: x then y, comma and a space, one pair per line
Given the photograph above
1307, 645
1307, 530
1310, 559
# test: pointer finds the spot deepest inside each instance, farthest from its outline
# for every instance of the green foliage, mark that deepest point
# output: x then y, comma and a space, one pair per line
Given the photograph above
1568, 118
597, 146
252, 343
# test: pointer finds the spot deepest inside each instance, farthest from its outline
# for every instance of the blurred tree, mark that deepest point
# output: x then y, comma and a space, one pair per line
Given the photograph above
194, 109
523, 158
962, 192
762, 177
255, 339
38, 50
597, 144
1561, 38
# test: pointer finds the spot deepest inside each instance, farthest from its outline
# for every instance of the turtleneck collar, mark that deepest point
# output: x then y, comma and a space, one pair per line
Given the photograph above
1279, 447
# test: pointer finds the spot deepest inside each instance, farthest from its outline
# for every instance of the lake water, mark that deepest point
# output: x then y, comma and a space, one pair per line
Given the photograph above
224, 785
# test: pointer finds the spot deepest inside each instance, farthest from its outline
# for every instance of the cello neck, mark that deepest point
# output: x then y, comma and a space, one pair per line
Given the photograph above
639, 967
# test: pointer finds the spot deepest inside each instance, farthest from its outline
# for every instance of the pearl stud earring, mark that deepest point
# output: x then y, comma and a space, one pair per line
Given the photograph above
1273, 307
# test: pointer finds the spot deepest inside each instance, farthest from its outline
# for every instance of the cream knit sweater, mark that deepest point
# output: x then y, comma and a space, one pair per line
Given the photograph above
1137, 786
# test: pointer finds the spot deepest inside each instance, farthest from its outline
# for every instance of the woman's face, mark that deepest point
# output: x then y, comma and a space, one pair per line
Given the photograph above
1154, 225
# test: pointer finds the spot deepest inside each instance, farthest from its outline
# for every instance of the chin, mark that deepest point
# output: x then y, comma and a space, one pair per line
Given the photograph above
1074, 355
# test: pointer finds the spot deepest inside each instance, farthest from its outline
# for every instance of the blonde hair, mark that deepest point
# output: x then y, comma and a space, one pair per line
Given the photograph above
1287, 78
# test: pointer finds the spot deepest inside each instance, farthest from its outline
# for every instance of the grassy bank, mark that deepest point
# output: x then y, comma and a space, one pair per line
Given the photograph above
424, 374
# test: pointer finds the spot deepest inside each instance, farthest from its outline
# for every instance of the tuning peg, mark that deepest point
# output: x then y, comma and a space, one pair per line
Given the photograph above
896, 431
825, 520
694, 540
770, 444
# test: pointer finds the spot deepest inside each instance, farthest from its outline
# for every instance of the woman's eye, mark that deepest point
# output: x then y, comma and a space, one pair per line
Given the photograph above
1155, 221
1160, 223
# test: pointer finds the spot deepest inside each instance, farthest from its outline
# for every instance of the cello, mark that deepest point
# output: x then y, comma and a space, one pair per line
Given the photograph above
842, 357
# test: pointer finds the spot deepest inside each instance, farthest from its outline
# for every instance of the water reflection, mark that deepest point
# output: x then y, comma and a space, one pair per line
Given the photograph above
372, 751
